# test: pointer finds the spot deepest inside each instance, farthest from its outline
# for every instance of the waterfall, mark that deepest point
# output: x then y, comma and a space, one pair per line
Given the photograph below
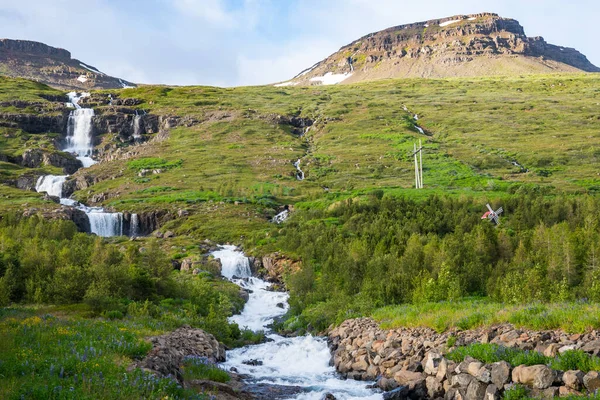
137, 125
134, 226
299, 172
80, 141
104, 224
234, 263
51, 184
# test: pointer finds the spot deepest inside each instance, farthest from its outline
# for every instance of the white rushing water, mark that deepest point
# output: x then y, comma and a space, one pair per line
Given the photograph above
80, 142
299, 172
301, 361
51, 184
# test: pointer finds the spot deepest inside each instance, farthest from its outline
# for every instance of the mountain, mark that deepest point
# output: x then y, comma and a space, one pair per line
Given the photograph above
463, 45
52, 66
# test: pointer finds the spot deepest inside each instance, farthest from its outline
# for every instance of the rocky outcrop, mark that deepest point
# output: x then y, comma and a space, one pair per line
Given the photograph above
52, 66
170, 350
297, 125
273, 267
461, 45
65, 213
413, 359
34, 123
35, 158
151, 220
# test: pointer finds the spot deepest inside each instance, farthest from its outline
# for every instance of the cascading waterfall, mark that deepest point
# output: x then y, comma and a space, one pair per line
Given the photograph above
301, 361
80, 142
51, 184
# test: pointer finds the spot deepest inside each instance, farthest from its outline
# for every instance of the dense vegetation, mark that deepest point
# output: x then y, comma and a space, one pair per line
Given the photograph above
360, 255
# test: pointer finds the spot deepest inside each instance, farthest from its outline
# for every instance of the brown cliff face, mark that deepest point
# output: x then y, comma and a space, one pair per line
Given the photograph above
52, 66
463, 45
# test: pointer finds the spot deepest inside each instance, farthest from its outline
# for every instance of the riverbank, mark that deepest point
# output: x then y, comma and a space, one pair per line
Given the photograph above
424, 363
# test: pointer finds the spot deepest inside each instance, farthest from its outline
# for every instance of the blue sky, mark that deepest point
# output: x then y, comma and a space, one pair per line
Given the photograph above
246, 42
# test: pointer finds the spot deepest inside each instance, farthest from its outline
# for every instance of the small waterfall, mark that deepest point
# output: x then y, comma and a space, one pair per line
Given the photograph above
51, 184
104, 224
79, 131
234, 263
138, 127
134, 226
282, 216
299, 172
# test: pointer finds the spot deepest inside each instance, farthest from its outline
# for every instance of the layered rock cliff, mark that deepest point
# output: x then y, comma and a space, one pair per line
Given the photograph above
52, 66
462, 45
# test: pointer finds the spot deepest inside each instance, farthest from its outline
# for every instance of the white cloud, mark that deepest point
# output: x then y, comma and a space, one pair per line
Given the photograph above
212, 11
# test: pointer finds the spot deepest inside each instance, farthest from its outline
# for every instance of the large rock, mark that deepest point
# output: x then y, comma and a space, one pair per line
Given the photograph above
573, 379
538, 376
400, 393
591, 380
409, 378
431, 364
476, 390
500, 373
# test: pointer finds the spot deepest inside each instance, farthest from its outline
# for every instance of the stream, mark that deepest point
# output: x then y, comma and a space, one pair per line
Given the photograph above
299, 363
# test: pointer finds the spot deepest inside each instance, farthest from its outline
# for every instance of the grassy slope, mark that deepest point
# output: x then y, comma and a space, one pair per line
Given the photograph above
361, 141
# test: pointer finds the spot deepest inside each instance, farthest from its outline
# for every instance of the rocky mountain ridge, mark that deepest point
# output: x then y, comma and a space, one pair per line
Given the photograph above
462, 45
52, 66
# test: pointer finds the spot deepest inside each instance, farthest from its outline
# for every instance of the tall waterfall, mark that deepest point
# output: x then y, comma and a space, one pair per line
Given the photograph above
80, 141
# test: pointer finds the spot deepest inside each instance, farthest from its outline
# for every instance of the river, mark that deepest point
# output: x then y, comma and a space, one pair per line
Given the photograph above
301, 361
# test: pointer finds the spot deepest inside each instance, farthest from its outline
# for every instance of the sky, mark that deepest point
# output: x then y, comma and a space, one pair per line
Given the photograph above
250, 42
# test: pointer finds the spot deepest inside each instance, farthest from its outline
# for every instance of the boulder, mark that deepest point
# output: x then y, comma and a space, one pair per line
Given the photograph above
434, 386
573, 379
592, 347
500, 373
432, 362
591, 381
492, 393
538, 376
551, 350
409, 378
400, 393
476, 390
461, 380
387, 384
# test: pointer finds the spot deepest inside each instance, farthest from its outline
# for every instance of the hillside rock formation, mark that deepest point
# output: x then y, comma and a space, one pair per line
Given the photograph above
52, 66
462, 45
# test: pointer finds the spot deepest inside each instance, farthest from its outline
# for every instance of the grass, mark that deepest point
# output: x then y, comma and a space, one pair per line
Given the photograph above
490, 353
201, 368
45, 356
475, 313
361, 141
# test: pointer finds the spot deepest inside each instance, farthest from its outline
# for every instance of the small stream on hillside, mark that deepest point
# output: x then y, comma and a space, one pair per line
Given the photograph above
80, 142
301, 362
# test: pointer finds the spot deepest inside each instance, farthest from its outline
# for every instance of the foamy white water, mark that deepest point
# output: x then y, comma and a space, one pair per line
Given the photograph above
299, 361
299, 172
51, 184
